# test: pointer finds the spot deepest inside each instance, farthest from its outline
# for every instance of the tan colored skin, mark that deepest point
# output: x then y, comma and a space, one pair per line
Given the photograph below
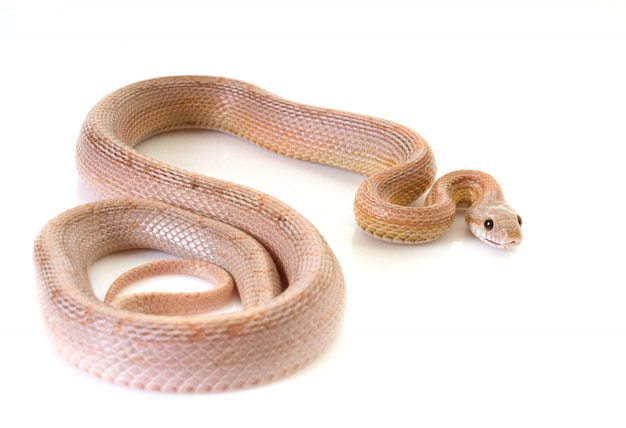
173, 303
291, 285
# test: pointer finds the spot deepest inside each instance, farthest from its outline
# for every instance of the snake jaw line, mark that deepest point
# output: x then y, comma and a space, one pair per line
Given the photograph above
500, 246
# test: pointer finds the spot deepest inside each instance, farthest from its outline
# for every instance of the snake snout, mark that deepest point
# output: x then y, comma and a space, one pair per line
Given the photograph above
512, 243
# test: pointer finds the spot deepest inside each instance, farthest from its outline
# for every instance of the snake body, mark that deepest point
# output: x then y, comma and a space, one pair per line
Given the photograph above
291, 285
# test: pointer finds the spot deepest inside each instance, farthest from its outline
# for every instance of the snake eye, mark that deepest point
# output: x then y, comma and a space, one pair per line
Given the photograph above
519, 220
488, 224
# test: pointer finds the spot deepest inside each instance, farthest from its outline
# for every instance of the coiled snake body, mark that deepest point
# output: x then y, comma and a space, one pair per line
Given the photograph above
289, 281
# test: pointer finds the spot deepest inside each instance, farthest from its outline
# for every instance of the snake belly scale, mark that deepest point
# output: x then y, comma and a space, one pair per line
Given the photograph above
289, 281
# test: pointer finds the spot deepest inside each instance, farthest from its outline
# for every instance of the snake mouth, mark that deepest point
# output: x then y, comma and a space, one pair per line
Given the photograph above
500, 245
493, 243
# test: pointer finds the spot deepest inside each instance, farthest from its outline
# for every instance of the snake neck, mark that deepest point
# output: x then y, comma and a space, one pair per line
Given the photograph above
464, 188
490, 218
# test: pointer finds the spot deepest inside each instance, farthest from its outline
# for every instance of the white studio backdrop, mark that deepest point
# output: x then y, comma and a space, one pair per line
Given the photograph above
449, 334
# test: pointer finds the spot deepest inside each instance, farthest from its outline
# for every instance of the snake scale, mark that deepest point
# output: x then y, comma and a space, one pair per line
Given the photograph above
290, 284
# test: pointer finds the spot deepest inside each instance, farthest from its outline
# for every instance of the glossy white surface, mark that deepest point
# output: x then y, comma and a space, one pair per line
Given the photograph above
452, 333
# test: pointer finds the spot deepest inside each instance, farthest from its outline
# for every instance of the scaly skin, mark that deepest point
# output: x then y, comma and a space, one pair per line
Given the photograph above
291, 287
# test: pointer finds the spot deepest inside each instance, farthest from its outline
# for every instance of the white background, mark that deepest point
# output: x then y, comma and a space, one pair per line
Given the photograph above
448, 334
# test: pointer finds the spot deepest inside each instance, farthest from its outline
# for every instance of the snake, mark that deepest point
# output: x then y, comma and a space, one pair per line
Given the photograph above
289, 282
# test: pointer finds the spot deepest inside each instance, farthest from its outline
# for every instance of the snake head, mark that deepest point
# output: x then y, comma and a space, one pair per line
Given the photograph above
495, 223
